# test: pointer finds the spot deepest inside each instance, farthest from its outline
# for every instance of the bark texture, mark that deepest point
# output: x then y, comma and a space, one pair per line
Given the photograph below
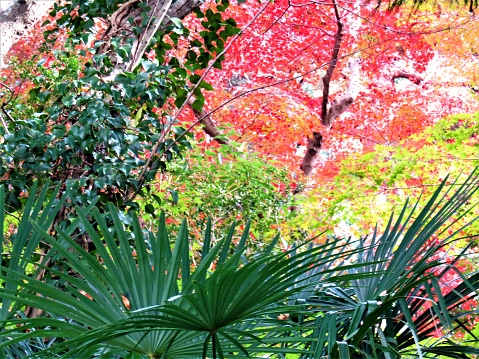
415, 79
16, 19
331, 111
338, 37
159, 18
343, 102
312, 153
208, 125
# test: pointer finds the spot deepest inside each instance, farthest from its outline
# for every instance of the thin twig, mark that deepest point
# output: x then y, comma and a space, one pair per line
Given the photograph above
338, 37
380, 133
149, 163
144, 39
364, 137
254, 120
4, 110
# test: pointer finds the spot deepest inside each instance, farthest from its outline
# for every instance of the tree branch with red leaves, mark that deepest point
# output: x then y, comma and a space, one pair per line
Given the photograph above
331, 111
208, 125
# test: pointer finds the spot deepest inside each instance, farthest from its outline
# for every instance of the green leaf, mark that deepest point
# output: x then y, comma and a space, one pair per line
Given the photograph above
181, 97
62, 87
174, 196
195, 78
176, 21
206, 86
150, 209
191, 55
198, 103
69, 100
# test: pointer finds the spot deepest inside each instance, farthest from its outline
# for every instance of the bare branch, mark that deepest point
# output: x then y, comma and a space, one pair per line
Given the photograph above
208, 125
415, 79
4, 110
254, 120
338, 37
342, 103
4, 125
156, 18
162, 12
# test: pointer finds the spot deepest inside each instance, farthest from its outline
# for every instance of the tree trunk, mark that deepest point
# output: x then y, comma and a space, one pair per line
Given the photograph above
160, 16
331, 111
16, 19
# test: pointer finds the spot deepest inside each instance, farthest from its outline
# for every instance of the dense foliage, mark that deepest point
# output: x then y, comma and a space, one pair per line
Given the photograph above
141, 294
101, 132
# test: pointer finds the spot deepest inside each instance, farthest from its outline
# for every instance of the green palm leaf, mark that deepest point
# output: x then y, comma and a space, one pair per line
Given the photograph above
139, 295
17, 251
379, 316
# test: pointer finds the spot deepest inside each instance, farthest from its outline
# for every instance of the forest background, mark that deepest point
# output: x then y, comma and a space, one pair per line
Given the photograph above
302, 117
411, 69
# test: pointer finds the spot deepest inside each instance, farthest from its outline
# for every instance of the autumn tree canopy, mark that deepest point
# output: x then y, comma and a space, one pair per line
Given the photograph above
359, 75
306, 84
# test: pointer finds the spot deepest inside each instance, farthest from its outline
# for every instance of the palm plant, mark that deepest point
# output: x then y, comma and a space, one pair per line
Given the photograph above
139, 296
401, 310
18, 250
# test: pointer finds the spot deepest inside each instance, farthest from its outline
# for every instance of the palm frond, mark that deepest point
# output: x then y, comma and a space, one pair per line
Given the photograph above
139, 294
403, 305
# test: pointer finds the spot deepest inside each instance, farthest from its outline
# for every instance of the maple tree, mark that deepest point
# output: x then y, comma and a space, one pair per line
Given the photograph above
413, 72
299, 79
279, 101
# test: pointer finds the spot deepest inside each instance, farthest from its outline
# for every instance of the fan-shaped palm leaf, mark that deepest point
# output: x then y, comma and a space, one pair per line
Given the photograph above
147, 299
398, 309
